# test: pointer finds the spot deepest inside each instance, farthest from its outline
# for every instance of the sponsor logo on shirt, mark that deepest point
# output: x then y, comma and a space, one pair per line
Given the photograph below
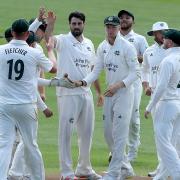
88, 48
111, 67
71, 120
104, 51
83, 63
154, 69
117, 53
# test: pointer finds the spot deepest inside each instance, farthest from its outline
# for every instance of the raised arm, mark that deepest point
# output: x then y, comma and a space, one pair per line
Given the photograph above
50, 47
51, 18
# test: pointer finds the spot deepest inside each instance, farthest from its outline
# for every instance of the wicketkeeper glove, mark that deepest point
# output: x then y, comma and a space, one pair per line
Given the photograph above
62, 82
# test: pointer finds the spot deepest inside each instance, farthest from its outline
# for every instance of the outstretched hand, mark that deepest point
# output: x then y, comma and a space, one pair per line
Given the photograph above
51, 18
111, 90
62, 82
42, 14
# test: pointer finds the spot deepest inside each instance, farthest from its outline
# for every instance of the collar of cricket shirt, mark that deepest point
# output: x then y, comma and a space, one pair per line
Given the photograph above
15, 41
75, 41
131, 33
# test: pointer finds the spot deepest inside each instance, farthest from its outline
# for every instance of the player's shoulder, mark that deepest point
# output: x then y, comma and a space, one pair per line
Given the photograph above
125, 43
3, 47
87, 40
172, 55
103, 44
167, 62
34, 51
139, 35
150, 48
61, 36
140, 38
39, 47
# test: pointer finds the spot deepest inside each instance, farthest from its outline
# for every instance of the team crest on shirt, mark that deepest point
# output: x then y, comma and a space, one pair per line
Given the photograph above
131, 40
117, 53
71, 120
104, 51
88, 48
119, 116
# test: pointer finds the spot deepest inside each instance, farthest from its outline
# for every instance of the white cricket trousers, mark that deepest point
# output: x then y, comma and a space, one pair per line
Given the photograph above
18, 167
134, 127
117, 114
167, 126
24, 116
75, 111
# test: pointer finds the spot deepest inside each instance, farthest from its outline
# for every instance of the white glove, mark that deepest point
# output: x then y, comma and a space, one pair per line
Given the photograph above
62, 82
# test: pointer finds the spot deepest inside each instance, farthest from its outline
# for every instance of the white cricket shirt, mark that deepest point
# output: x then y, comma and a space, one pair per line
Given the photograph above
74, 58
18, 72
119, 61
151, 61
138, 41
168, 79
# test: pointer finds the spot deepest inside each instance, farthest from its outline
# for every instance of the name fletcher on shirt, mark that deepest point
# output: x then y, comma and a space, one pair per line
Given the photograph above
16, 50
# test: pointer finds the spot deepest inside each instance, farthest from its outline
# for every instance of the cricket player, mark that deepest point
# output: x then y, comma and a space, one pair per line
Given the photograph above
18, 167
140, 44
18, 83
119, 59
75, 56
152, 58
166, 99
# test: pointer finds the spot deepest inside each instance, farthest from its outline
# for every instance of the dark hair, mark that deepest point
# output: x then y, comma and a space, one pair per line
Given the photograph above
20, 26
8, 35
78, 15
31, 38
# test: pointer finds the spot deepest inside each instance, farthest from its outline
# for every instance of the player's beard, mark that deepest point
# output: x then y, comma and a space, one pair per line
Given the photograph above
159, 41
127, 27
76, 32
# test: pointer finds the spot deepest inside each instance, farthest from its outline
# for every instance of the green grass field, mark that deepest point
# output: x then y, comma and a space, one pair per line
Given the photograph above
146, 13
